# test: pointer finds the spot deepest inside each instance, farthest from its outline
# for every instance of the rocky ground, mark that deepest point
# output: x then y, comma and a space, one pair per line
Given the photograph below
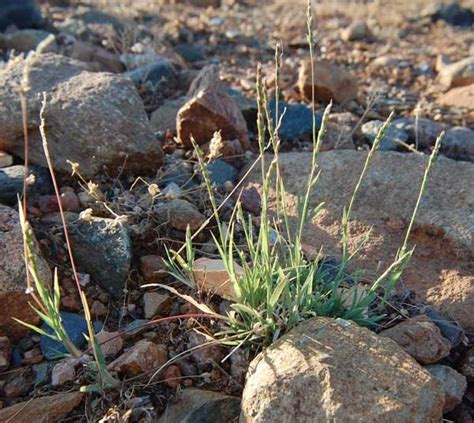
128, 84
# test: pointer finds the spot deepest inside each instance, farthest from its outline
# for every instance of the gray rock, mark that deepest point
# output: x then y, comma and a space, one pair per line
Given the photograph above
454, 385
449, 329
425, 130
161, 69
328, 370
22, 14
358, 30
458, 144
11, 183
191, 53
82, 108
164, 118
451, 12
25, 39
200, 406
392, 138
247, 106
179, 214
103, 250
176, 171
297, 121
220, 172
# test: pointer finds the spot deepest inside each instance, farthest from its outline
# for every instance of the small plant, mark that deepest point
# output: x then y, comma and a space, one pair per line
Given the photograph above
280, 287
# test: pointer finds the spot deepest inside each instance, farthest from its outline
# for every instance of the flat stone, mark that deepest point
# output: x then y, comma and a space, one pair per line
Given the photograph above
155, 303
45, 409
334, 370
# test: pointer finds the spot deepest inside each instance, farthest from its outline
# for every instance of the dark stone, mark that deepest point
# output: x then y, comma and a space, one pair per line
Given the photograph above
458, 144
191, 53
20, 13
452, 13
176, 171
76, 327
329, 269
220, 172
391, 139
200, 406
103, 250
250, 200
11, 183
449, 329
427, 130
297, 121
247, 106
161, 69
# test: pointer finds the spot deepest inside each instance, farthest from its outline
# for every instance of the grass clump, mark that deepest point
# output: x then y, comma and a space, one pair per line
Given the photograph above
280, 287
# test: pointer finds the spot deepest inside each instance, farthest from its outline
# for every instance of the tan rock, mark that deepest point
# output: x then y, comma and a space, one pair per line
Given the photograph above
64, 371
143, 357
96, 119
454, 385
358, 30
461, 97
420, 338
457, 74
5, 159
155, 303
111, 343
179, 214
46, 409
13, 298
331, 82
439, 271
211, 276
209, 109
333, 370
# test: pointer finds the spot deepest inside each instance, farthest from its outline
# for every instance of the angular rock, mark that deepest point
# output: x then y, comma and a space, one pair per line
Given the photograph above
457, 74
297, 122
449, 329
22, 14
13, 298
460, 97
331, 82
76, 328
439, 272
111, 343
333, 370
95, 119
392, 139
102, 249
200, 406
179, 214
46, 409
207, 353
97, 58
210, 109
63, 372
143, 357
5, 353
164, 118
11, 183
155, 303
420, 338
454, 385
221, 172
153, 269
211, 276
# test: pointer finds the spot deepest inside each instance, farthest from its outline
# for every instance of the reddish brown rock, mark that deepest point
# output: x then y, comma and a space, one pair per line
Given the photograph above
13, 297
143, 357
155, 304
457, 74
208, 110
47, 409
111, 343
331, 82
153, 269
420, 338
172, 376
